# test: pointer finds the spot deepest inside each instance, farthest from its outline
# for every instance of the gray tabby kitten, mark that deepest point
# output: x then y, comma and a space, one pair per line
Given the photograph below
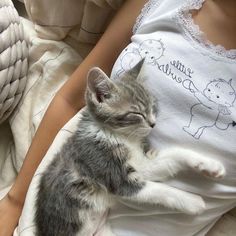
108, 157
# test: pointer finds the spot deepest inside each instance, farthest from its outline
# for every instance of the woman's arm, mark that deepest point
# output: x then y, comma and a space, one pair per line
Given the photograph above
67, 102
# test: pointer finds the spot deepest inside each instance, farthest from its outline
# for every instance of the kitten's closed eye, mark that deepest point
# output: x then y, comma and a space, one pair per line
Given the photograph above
135, 116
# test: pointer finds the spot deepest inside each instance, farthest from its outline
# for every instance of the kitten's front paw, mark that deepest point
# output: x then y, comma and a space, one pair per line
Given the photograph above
210, 168
152, 154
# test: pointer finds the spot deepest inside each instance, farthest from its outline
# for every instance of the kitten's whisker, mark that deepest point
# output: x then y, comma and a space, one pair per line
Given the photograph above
132, 134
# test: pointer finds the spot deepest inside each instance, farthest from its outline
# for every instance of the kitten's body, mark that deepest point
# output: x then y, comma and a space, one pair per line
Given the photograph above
89, 174
107, 159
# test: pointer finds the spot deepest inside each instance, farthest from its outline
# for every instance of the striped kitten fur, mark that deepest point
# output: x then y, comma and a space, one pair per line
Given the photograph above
108, 158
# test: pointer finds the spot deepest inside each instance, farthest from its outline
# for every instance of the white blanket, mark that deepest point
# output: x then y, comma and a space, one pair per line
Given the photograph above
60, 37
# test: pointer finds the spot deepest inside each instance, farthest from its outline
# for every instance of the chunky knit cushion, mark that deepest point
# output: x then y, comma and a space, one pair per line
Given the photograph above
13, 59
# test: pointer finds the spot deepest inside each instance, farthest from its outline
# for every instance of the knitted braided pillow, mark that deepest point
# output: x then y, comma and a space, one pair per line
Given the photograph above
13, 59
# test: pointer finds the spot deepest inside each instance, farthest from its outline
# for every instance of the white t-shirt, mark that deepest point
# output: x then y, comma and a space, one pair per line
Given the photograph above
195, 84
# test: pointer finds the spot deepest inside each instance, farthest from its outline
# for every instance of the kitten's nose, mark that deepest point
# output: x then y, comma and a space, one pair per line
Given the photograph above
152, 124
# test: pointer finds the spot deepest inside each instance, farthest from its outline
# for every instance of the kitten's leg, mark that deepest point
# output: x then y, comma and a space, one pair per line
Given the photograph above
91, 220
159, 193
170, 162
188, 159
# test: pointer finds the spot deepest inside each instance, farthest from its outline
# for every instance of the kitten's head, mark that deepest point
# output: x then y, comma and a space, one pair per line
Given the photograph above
125, 106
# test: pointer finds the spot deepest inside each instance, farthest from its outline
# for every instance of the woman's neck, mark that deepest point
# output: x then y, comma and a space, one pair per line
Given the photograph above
228, 7
217, 19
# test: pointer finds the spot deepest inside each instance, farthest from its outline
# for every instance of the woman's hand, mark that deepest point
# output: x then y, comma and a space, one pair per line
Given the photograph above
10, 211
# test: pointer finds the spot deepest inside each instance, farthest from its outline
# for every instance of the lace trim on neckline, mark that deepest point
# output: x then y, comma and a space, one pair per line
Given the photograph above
192, 30
146, 10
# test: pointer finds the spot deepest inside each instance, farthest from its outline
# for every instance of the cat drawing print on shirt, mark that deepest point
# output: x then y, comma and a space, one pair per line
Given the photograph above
150, 49
214, 107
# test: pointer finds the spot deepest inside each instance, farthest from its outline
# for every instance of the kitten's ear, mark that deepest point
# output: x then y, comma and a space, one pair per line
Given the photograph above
135, 71
99, 84
137, 68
